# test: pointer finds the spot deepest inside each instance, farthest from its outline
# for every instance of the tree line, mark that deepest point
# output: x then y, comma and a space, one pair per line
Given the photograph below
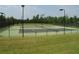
68, 21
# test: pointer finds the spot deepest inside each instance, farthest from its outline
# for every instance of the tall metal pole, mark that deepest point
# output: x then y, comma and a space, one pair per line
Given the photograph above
9, 27
64, 18
8, 23
22, 20
64, 21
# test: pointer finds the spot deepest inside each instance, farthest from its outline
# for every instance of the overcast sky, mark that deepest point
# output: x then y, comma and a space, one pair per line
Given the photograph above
47, 10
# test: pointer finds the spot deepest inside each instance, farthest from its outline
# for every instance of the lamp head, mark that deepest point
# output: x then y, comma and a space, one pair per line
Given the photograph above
61, 9
22, 5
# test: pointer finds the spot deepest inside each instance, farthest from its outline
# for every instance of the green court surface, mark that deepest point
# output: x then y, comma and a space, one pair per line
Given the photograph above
14, 30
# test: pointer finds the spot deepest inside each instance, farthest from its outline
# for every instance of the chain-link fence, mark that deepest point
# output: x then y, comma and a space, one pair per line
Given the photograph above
36, 29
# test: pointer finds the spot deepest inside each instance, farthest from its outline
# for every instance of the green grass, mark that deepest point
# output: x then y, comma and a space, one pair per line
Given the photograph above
50, 44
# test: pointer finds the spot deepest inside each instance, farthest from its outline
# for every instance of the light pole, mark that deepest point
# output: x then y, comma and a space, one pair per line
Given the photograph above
9, 26
64, 18
22, 20
8, 20
8, 23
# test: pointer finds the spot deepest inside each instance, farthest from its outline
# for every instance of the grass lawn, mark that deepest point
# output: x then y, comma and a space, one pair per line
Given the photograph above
50, 44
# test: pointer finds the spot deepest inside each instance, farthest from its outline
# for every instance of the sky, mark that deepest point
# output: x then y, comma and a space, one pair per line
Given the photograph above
46, 10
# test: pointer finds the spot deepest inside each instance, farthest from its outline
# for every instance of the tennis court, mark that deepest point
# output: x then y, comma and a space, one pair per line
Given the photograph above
32, 29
